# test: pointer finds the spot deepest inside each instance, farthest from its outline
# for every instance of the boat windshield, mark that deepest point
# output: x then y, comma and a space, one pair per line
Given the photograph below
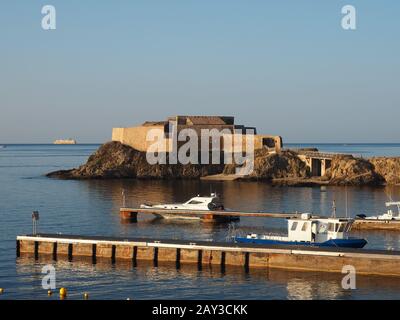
339, 227
215, 205
336, 227
348, 227
195, 202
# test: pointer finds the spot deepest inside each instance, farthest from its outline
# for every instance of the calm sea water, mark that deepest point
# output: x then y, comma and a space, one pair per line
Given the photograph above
91, 208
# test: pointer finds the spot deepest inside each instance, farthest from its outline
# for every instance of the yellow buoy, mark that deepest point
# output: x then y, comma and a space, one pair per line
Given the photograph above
49, 292
63, 292
1, 290
86, 296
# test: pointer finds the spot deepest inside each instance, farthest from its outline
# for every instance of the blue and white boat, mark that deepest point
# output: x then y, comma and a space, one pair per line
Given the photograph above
309, 231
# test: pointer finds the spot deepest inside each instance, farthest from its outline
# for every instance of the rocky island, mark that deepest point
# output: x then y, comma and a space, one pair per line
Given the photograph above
114, 160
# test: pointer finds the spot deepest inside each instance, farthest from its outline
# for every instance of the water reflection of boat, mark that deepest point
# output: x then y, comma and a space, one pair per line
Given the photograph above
308, 231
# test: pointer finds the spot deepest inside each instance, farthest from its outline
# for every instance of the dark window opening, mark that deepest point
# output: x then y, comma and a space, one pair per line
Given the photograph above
268, 142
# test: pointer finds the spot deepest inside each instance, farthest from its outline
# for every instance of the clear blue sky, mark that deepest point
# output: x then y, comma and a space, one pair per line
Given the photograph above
286, 67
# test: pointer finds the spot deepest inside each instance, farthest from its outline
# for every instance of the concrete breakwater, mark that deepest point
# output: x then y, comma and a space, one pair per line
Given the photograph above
223, 254
287, 167
364, 224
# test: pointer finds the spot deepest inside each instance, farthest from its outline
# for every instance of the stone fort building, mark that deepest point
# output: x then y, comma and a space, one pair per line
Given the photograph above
136, 137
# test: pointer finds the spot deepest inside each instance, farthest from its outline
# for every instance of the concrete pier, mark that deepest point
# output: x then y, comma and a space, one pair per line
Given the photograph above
363, 224
206, 216
371, 262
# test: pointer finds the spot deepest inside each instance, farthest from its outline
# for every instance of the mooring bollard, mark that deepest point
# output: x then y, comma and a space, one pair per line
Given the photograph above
128, 216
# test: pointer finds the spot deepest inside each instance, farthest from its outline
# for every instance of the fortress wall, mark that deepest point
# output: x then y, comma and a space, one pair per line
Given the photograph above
258, 141
135, 137
117, 134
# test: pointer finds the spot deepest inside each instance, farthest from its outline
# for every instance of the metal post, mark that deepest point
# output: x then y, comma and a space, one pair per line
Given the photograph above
123, 198
334, 209
35, 219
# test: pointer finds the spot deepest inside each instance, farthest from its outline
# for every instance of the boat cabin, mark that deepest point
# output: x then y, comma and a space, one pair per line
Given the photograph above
204, 203
311, 229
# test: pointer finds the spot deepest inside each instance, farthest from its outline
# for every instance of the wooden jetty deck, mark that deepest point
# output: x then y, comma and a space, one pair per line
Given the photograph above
371, 262
208, 216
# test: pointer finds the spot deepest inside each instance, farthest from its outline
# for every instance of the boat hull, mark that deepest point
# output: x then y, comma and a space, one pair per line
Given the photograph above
341, 243
175, 217
205, 217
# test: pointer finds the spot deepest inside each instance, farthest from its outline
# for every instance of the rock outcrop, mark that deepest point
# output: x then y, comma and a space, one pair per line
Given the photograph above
267, 166
346, 170
115, 160
388, 168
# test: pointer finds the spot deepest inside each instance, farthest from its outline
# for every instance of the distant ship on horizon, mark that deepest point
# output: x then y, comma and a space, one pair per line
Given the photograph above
64, 141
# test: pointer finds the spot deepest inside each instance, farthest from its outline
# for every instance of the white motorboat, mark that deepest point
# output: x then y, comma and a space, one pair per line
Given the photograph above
389, 215
199, 203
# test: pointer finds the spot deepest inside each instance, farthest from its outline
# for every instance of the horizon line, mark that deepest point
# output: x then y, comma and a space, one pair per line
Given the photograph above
99, 143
